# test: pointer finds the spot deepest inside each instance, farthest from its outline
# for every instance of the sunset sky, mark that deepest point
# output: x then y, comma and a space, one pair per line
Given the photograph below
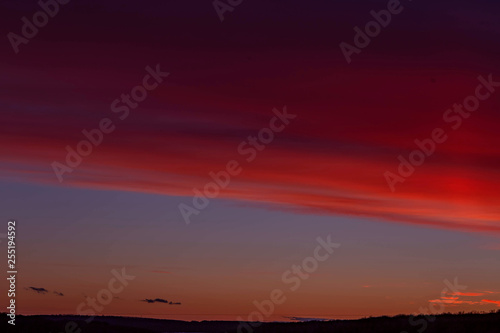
323, 174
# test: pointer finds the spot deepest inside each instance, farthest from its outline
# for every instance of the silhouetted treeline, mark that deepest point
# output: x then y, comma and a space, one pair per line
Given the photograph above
444, 323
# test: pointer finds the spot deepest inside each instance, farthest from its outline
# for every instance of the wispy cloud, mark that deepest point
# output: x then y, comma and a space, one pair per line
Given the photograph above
468, 294
489, 301
347, 180
38, 290
43, 291
465, 298
160, 300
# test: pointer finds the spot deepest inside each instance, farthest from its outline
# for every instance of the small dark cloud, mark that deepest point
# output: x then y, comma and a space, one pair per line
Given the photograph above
160, 300
43, 291
156, 300
38, 290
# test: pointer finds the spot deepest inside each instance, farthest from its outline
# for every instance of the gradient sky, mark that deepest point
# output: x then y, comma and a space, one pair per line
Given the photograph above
324, 174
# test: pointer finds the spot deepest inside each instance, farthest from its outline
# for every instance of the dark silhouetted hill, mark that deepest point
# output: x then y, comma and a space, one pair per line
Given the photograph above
444, 323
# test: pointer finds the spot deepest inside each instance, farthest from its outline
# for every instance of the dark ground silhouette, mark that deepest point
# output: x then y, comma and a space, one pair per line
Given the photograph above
444, 323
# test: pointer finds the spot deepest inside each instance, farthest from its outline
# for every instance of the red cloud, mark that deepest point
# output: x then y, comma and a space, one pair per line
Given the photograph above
491, 302
467, 294
457, 298
350, 129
